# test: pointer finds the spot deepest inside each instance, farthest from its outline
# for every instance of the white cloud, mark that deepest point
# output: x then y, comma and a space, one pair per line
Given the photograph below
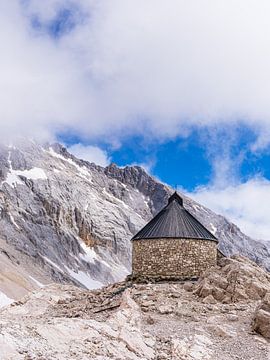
90, 153
152, 67
247, 205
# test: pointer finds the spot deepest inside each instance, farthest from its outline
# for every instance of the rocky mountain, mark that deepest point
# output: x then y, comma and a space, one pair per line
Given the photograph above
70, 221
223, 316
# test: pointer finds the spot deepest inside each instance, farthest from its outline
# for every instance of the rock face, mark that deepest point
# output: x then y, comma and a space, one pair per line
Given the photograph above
69, 221
262, 317
130, 321
236, 279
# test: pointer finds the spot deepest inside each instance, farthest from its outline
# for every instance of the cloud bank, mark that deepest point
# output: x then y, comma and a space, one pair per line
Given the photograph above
107, 69
111, 68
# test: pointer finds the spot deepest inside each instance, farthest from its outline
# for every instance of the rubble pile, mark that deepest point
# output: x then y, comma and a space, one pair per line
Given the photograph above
88, 304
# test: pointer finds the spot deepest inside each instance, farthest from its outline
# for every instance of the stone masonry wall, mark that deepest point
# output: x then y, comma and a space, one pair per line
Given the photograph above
183, 258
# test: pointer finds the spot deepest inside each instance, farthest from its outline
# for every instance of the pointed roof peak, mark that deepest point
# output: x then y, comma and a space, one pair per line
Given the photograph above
176, 197
174, 221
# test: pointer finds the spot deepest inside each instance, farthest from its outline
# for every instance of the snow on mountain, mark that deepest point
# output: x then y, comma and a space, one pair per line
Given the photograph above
4, 300
66, 220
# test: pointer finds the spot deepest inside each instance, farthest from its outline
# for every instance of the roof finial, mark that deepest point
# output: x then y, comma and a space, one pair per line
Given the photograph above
175, 196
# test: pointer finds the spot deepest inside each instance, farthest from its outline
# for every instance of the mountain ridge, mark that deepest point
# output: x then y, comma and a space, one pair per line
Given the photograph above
71, 221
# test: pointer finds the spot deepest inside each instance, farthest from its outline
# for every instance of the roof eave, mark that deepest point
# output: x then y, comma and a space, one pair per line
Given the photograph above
174, 237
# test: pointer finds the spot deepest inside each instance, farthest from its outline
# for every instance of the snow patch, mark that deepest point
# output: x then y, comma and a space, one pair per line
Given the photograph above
84, 279
13, 221
80, 276
12, 180
32, 174
39, 284
83, 172
52, 263
120, 271
214, 229
90, 255
115, 199
5, 300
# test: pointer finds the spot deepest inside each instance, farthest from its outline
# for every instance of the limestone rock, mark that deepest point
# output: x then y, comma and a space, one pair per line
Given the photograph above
209, 300
196, 347
150, 320
223, 331
165, 309
237, 279
108, 323
232, 317
188, 286
120, 337
261, 322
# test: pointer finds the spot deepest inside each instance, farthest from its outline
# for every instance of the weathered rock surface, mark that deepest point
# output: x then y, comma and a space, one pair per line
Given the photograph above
36, 337
130, 321
262, 317
236, 279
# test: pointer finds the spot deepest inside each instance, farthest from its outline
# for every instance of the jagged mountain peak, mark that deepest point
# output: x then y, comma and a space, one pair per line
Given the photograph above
73, 220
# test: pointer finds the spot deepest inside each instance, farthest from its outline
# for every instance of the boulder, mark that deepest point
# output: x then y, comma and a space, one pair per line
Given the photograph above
165, 309
188, 286
261, 322
236, 279
223, 331
196, 347
209, 300
232, 317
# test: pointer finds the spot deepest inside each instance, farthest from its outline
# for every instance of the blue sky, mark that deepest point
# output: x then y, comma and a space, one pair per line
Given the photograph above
188, 161
185, 161
179, 162
181, 88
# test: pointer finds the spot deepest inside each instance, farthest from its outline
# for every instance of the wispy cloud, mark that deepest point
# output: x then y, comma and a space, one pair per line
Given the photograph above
90, 153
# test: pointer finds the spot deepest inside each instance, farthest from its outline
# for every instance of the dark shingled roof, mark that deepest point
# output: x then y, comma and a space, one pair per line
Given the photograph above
174, 221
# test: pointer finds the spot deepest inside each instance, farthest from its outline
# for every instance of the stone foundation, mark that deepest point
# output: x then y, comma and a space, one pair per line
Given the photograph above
176, 258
